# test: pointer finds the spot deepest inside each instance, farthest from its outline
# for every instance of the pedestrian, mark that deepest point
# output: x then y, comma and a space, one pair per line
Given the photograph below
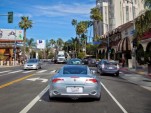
123, 62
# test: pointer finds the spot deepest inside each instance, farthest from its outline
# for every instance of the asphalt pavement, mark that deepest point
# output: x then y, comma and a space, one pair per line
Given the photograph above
27, 91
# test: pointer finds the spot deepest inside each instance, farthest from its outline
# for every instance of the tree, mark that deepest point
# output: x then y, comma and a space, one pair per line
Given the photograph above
25, 24
97, 17
74, 23
30, 45
52, 42
60, 43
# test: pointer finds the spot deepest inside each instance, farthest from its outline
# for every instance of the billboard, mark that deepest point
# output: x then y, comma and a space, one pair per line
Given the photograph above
11, 34
41, 44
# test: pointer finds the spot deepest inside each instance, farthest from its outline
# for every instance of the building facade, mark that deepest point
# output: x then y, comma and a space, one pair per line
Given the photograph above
117, 12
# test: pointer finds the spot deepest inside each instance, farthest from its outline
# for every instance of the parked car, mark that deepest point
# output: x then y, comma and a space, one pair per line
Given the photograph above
75, 61
108, 67
32, 64
75, 81
92, 62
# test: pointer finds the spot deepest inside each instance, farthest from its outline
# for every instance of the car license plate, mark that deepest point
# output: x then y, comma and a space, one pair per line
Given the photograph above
110, 67
74, 89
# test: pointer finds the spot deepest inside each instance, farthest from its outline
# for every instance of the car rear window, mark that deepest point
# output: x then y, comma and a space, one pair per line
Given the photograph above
75, 70
32, 61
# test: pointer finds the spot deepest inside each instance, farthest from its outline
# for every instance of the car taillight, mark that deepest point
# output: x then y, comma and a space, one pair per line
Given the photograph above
57, 80
91, 80
118, 66
103, 66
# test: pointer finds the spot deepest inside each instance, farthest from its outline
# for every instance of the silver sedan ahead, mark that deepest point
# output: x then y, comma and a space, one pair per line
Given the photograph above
75, 81
32, 64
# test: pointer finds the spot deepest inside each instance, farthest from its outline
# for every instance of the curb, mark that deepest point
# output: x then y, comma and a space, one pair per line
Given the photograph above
9, 66
134, 72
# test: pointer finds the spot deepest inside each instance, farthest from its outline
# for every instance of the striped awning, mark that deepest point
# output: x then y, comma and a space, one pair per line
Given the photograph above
124, 45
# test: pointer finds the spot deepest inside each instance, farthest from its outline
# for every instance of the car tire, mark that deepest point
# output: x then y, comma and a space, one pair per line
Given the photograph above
117, 74
51, 98
98, 98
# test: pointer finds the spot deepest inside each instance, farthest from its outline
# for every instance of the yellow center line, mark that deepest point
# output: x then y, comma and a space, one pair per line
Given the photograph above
15, 81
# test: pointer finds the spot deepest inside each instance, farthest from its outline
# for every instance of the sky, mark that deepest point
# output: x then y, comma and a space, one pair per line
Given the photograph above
51, 18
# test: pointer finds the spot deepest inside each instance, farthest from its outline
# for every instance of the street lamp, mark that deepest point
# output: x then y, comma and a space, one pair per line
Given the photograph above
135, 48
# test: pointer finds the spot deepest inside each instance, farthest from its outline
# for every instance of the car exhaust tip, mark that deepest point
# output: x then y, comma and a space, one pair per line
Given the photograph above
93, 93
56, 93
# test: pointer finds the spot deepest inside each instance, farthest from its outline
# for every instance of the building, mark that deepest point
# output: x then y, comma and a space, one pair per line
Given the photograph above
9, 45
117, 12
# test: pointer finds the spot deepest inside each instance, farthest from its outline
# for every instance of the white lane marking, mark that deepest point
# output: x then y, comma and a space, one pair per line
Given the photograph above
41, 71
5, 71
15, 71
34, 101
28, 71
35, 79
115, 100
53, 71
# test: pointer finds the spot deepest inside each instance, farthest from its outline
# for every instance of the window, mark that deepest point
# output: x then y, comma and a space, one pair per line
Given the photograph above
127, 13
75, 70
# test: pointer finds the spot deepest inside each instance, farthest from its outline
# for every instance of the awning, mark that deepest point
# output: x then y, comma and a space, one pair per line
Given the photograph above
124, 45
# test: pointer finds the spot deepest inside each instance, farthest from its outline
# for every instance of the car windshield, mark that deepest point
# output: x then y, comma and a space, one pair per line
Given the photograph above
32, 61
75, 70
60, 55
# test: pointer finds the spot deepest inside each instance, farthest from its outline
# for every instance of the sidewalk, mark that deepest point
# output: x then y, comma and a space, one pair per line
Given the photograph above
140, 71
139, 77
5, 66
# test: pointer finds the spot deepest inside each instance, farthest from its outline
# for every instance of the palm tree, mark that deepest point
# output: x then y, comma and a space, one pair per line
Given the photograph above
25, 24
97, 17
52, 42
74, 23
60, 43
30, 45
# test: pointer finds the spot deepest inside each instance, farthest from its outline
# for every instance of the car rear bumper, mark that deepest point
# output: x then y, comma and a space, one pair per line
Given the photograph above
88, 92
107, 71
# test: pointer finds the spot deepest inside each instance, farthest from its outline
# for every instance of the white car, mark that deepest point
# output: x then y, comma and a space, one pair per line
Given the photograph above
32, 64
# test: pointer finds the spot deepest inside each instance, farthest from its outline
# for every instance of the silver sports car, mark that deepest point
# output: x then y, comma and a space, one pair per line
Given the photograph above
75, 81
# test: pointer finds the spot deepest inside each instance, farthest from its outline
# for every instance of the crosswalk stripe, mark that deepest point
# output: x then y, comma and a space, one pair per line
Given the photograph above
41, 71
28, 71
5, 71
16, 71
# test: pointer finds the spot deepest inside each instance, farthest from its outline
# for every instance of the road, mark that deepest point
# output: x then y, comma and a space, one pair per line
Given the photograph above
26, 91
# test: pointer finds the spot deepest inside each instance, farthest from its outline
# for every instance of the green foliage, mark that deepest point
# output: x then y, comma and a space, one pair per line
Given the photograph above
2, 56
95, 14
91, 49
81, 55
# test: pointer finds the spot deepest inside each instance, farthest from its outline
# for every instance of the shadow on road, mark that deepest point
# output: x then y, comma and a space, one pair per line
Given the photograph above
45, 98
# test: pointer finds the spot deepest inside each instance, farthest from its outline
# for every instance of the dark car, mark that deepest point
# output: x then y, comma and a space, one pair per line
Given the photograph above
74, 61
92, 62
108, 67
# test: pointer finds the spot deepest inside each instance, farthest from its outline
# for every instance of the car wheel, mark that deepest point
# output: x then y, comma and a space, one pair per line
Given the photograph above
117, 74
98, 98
50, 98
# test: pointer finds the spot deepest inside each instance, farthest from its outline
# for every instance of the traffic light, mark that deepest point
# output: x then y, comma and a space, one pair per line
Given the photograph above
10, 17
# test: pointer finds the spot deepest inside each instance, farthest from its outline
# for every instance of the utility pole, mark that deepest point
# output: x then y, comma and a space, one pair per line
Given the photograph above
15, 47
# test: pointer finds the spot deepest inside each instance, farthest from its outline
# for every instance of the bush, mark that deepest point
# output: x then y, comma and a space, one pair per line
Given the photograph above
81, 55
